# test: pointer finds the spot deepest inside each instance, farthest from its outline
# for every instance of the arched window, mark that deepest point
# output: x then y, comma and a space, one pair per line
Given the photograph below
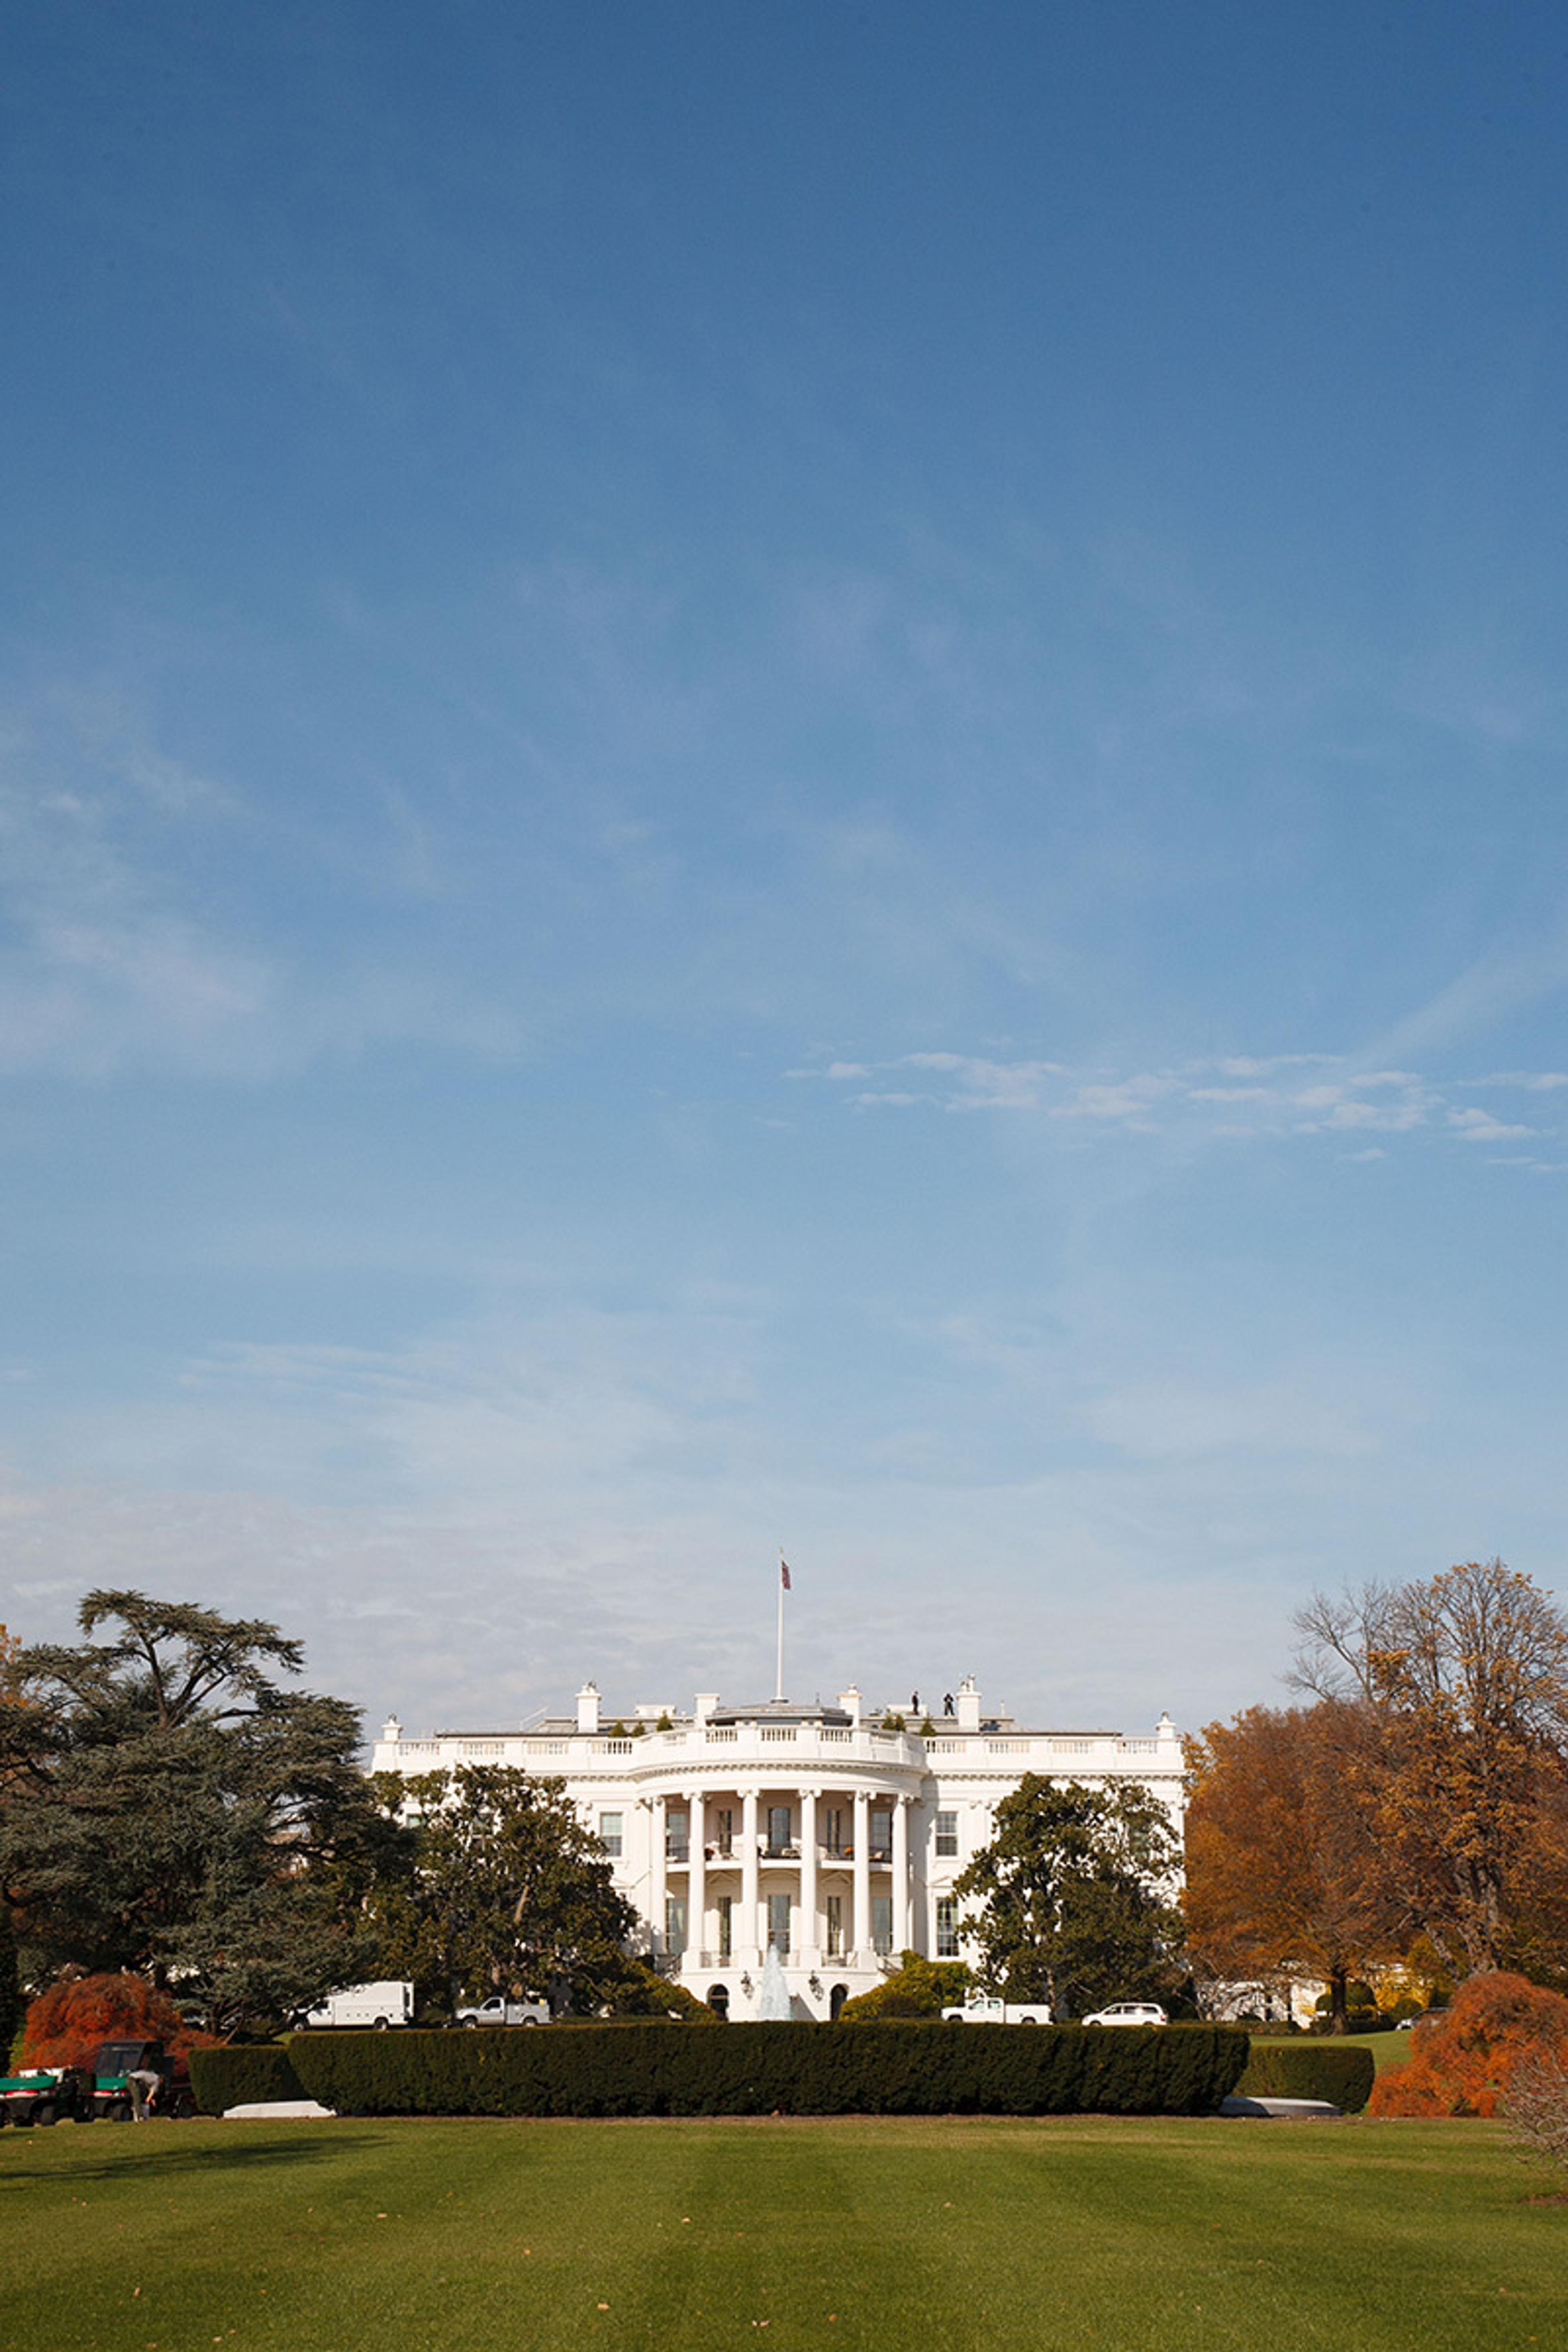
719, 2000
837, 1998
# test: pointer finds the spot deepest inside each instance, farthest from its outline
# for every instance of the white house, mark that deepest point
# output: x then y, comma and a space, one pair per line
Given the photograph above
811, 1831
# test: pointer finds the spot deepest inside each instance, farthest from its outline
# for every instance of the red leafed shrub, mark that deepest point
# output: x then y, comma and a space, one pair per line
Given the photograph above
64, 2025
1462, 2062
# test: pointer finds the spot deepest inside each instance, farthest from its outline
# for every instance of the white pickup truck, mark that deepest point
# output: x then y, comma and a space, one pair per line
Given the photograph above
499, 2010
387, 2002
990, 2009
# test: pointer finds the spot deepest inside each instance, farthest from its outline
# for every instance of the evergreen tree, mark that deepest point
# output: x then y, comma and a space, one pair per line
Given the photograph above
1074, 1897
505, 1891
171, 1811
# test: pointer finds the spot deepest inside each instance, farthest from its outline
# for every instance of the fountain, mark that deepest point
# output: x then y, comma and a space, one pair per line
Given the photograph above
773, 2001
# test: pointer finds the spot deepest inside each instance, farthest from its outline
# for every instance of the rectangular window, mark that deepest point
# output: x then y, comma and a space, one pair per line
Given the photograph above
675, 1844
778, 1923
947, 1835
835, 1926
881, 1835
946, 1927
725, 1822
675, 1923
778, 1828
836, 1842
882, 1922
726, 1927
610, 1834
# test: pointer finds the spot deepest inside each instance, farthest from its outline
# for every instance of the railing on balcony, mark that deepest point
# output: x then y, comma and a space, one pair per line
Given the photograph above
719, 1855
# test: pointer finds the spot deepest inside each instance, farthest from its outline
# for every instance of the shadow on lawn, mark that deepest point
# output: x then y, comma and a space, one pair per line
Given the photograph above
122, 2161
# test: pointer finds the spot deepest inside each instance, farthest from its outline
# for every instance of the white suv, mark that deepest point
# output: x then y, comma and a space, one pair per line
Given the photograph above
1129, 2012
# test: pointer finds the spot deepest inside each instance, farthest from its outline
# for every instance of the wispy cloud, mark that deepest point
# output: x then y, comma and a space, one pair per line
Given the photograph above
1237, 1095
115, 862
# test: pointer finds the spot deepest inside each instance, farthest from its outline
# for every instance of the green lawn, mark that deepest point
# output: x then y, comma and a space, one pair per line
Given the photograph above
862, 2236
1387, 2049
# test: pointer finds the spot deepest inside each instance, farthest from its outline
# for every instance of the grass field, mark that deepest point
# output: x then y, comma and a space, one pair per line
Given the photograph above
1387, 2049
963, 2236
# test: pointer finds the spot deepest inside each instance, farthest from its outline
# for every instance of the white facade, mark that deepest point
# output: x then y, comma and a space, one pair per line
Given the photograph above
808, 1830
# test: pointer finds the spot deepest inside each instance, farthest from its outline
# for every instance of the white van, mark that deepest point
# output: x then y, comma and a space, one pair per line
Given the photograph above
386, 2002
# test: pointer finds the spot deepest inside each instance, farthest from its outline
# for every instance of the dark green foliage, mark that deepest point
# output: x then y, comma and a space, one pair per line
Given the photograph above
506, 1891
13, 2005
171, 1813
1070, 1908
643, 1992
244, 2075
1309, 2070
754, 2069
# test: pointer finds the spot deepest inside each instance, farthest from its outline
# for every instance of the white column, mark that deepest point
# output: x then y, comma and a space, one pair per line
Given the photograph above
747, 1952
860, 1937
809, 1940
695, 1877
902, 1939
656, 1876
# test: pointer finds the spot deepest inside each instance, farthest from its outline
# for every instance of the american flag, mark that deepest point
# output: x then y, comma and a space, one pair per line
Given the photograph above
784, 1572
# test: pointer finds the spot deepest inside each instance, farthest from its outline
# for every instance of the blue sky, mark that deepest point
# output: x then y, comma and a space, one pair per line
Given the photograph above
782, 775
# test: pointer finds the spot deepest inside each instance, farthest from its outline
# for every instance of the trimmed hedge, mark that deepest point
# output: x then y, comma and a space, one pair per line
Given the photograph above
1309, 2070
243, 2076
878, 2068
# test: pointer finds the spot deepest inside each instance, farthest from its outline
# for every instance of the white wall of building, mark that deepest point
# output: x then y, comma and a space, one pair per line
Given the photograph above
810, 1829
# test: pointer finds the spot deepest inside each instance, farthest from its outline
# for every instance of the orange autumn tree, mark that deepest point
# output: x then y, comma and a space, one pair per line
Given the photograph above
1281, 1879
1462, 2062
64, 2025
1453, 1696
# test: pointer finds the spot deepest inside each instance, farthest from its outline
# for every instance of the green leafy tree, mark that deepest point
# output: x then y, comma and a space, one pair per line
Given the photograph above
1073, 1898
508, 1890
641, 1992
916, 1988
12, 2005
172, 1812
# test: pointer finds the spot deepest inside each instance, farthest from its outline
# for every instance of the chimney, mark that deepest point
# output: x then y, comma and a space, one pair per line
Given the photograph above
706, 1702
391, 1731
850, 1701
588, 1707
969, 1703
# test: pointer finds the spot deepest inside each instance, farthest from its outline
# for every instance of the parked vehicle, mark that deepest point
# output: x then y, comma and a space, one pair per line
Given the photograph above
33, 2098
499, 2010
990, 2009
388, 2002
1128, 2012
105, 2087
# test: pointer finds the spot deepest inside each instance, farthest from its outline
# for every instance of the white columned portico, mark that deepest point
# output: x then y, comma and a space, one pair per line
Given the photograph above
695, 1877
900, 1875
808, 1942
747, 1949
860, 1939
658, 1876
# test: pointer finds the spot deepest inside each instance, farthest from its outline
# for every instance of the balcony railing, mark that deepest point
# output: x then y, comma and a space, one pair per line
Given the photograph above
720, 1856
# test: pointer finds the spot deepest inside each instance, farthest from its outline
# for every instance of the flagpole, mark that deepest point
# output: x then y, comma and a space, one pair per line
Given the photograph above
778, 1684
